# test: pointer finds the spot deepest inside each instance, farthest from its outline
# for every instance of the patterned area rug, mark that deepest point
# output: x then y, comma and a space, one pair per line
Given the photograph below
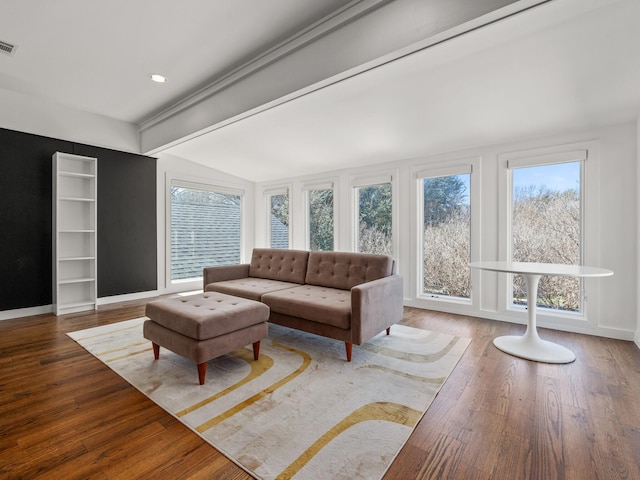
301, 411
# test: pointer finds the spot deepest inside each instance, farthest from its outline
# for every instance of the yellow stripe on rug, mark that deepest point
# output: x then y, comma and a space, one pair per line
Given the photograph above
388, 411
306, 361
411, 357
263, 364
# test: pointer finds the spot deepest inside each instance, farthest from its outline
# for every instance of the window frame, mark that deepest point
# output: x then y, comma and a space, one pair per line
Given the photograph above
590, 199
455, 166
368, 181
313, 186
271, 192
560, 158
176, 180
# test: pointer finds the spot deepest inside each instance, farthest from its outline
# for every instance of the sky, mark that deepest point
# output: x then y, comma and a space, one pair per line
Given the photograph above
557, 177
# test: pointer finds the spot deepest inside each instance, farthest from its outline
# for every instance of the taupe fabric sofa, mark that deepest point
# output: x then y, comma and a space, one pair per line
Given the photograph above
350, 297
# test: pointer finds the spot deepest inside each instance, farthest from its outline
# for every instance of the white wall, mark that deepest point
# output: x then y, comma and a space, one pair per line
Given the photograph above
637, 334
611, 308
171, 166
27, 114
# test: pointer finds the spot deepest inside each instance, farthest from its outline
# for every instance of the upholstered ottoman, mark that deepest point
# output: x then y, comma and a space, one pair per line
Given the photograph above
205, 326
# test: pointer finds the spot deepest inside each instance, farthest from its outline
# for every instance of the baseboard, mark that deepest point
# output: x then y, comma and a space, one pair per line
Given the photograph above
30, 311
25, 312
585, 329
127, 297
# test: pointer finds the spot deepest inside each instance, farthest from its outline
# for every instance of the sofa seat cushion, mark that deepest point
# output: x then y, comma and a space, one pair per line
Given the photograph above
249, 287
325, 305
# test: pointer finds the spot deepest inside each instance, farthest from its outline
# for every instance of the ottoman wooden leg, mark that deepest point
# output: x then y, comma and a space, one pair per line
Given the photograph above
202, 371
156, 350
256, 350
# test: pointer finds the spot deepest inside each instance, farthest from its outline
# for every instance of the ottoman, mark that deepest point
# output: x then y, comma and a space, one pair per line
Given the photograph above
204, 326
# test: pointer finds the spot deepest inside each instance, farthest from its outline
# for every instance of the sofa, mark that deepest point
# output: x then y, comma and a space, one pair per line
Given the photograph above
350, 297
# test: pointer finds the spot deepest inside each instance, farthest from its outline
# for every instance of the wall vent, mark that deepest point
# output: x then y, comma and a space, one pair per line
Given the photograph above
7, 48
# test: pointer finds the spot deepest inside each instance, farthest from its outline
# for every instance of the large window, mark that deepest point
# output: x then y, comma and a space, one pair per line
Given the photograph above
374, 213
278, 202
546, 226
320, 217
446, 235
205, 228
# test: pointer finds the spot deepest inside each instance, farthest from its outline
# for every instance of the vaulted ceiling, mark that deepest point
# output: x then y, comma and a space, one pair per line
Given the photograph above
267, 90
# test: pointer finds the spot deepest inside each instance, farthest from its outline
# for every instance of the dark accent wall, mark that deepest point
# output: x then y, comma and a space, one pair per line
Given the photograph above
127, 243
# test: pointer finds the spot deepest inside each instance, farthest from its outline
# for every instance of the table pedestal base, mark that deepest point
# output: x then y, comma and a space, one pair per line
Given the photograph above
534, 348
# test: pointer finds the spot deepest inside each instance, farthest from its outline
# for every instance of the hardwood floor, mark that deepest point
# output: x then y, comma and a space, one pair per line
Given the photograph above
63, 414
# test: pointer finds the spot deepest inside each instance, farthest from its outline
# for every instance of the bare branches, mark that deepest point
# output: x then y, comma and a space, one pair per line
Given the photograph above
446, 254
546, 229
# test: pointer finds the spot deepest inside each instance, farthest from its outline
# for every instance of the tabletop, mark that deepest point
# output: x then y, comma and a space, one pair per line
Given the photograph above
542, 269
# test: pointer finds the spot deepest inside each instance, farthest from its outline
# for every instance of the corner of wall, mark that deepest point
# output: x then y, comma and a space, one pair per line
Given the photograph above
637, 309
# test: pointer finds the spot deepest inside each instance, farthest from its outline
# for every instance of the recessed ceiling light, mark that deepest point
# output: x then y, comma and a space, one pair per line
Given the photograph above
156, 77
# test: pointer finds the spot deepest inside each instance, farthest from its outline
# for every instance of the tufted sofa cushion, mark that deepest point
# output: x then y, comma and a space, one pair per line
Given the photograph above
206, 315
345, 270
329, 306
279, 264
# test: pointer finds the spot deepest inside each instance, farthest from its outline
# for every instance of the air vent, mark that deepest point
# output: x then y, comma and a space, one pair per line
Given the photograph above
7, 48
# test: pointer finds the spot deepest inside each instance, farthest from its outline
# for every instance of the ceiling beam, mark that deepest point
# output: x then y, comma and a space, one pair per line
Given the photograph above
363, 35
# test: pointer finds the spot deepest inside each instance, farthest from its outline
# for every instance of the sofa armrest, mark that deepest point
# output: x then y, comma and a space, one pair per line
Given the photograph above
224, 272
375, 306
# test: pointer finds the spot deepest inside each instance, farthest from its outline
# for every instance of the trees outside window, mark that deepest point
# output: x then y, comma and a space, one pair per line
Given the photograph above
446, 235
205, 230
374, 231
320, 215
279, 220
546, 226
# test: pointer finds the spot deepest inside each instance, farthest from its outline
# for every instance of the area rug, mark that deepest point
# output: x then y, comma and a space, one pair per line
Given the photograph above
301, 411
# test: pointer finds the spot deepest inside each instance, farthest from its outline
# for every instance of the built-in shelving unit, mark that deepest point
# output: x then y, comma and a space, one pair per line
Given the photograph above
74, 233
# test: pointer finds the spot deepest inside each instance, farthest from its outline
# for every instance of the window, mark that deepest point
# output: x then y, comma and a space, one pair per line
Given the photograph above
374, 213
445, 244
546, 225
205, 228
278, 201
320, 223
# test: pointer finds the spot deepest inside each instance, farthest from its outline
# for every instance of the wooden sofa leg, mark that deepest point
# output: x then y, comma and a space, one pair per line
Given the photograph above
156, 350
349, 348
256, 350
202, 371
389, 331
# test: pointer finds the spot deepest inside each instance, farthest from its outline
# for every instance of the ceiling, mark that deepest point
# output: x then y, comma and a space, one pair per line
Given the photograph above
564, 65
96, 56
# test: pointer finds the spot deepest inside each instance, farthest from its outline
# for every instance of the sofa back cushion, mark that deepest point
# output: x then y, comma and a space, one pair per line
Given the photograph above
345, 270
279, 264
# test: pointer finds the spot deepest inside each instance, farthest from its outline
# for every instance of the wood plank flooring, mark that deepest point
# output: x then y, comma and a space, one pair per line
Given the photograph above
63, 414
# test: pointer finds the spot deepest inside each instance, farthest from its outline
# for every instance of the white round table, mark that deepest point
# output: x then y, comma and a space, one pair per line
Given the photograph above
530, 345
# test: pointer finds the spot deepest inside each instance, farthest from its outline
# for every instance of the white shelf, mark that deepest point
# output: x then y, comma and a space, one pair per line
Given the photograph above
76, 199
74, 228
76, 174
75, 280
